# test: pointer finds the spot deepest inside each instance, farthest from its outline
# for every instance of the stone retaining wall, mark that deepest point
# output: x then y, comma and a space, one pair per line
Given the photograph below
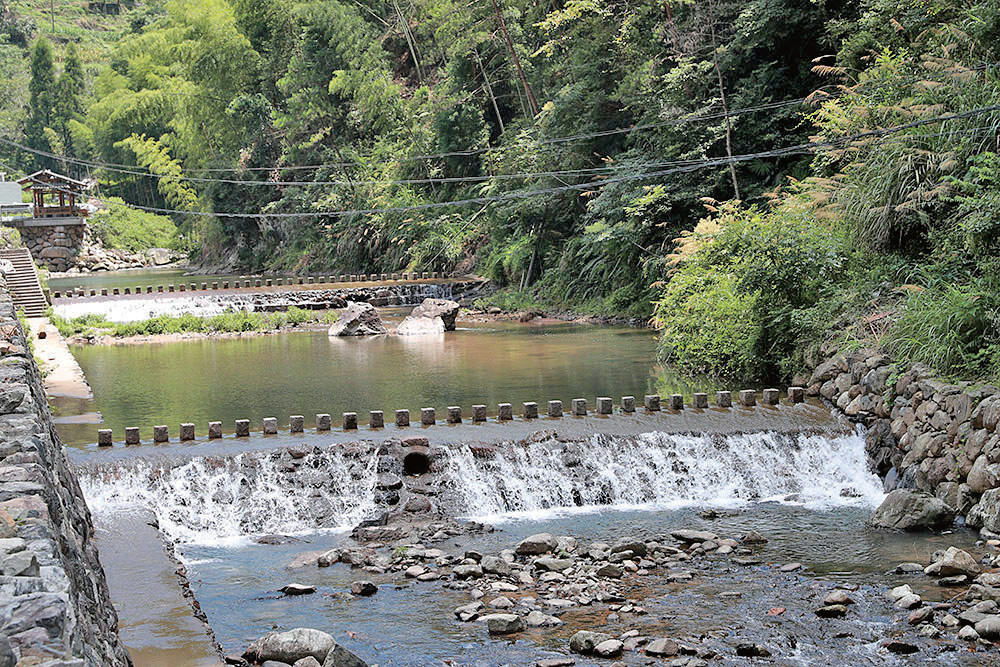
923, 433
53, 246
54, 602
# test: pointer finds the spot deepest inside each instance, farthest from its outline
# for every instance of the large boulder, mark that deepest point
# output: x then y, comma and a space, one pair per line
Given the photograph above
431, 316
986, 513
536, 544
291, 646
954, 561
905, 509
358, 319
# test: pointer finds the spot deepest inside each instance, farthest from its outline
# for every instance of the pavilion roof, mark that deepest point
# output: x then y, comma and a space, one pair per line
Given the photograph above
48, 176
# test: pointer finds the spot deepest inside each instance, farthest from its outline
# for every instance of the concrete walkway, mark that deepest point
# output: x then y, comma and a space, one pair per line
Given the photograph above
63, 375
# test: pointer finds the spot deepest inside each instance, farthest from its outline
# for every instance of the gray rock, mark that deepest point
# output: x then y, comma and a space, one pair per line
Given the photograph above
989, 627
610, 570
628, 544
431, 316
585, 641
968, 633
662, 648
536, 544
10, 399
363, 588
832, 611
494, 565
471, 571
290, 646
905, 509
838, 596
911, 601
536, 619
297, 589
553, 564
341, 657
358, 319
308, 661
611, 648
504, 624
986, 513
954, 561
691, 536
468, 612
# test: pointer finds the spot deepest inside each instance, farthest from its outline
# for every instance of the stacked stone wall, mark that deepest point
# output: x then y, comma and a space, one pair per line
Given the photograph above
923, 433
54, 246
54, 603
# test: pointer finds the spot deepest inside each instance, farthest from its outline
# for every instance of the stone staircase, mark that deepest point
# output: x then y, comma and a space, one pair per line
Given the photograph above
25, 289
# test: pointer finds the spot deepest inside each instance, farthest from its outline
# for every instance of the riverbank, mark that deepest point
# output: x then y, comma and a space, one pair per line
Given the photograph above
62, 375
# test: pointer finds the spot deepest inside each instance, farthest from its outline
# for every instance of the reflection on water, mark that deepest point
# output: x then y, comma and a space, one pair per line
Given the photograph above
308, 372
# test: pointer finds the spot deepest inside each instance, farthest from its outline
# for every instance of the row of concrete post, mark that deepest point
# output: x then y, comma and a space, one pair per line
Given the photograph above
244, 282
454, 414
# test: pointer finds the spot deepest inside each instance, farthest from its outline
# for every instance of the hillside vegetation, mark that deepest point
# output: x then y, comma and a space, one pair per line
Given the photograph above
762, 176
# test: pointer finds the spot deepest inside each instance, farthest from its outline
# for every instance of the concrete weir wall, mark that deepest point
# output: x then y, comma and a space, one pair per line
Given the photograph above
54, 602
923, 433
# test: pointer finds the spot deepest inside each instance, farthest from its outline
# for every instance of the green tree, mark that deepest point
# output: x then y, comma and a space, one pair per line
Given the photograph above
42, 99
69, 97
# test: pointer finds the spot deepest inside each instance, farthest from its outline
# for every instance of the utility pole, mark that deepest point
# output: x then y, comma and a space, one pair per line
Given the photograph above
725, 110
517, 61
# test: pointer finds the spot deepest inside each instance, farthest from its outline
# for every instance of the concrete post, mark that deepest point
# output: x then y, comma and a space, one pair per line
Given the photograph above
104, 437
555, 409
225, 284
104, 292
187, 431
115, 291
131, 435
300, 281
323, 422
364, 277
343, 278
505, 412
214, 430
215, 285
628, 404
796, 394
748, 397
376, 419
268, 282
385, 277
350, 421
724, 399
270, 426
402, 418
676, 401
700, 400
182, 287
395, 276
242, 428
170, 288
256, 283
160, 433
159, 288
427, 416
310, 280
320, 280
194, 287
296, 424
454, 414
771, 396
353, 278
55, 295
604, 405
478, 413
424, 275
204, 286
580, 407
127, 291
530, 410
652, 402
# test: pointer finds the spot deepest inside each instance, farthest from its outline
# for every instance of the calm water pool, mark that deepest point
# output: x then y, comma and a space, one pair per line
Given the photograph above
307, 372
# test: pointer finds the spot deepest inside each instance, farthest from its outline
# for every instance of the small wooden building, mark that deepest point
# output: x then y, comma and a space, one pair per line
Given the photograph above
54, 195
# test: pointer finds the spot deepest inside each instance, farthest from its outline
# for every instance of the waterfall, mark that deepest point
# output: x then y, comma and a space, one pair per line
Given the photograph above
217, 498
211, 500
660, 470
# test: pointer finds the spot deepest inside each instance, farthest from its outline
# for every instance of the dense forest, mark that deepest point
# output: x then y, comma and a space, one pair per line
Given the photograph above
760, 177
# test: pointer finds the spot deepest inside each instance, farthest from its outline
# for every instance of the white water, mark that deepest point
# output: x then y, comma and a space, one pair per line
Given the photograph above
213, 500
665, 471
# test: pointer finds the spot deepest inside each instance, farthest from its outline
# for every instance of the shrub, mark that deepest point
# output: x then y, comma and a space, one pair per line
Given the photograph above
122, 227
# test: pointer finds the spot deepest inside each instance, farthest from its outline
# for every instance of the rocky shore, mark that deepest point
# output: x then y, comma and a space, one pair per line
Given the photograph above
933, 439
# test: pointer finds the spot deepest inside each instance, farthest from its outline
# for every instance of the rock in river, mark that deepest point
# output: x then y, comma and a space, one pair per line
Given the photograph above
955, 561
431, 316
503, 624
291, 646
364, 588
585, 641
537, 544
905, 509
358, 319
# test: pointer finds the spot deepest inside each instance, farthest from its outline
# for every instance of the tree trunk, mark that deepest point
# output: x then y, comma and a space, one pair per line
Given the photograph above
517, 61
725, 110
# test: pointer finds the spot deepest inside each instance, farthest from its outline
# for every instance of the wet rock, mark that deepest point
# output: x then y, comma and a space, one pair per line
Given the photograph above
471, 571
753, 537
553, 564
611, 648
468, 612
536, 619
968, 633
555, 662
954, 561
414, 571
610, 570
585, 641
909, 568
899, 592
921, 615
297, 589
431, 316
752, 651
832, 611
634, 546
363, 588
837, 597
900, 647
341, 657
503, 624
536, 544
662, 648
501, 602
989, 627
494, 565
905, 509
957, 580
692, 536
308, 661
986, 513
290, 646
791, 567
911, 601
358, 319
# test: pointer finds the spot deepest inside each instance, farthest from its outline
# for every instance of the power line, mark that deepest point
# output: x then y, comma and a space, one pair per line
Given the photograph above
525, 194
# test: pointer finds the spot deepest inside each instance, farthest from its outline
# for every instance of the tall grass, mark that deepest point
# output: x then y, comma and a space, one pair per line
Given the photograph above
235, 321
